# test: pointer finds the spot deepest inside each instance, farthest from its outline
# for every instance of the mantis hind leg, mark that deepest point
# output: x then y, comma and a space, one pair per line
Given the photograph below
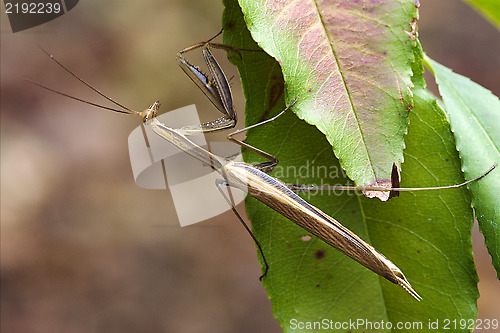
219, 183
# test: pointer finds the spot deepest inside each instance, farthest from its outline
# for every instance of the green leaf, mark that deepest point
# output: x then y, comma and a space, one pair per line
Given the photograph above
427, 234
349, 65
474, 113
489, 8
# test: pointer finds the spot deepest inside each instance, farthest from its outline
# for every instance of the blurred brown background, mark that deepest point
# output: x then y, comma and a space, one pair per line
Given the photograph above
83, 249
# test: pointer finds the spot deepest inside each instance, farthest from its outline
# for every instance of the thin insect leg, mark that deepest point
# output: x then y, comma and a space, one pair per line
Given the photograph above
224, 47
229, 48
312, 188
219, 183
265, 166
265, 121
273, 161
200, 44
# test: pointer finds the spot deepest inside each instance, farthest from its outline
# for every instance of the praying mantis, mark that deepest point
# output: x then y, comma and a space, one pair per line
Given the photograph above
254, 178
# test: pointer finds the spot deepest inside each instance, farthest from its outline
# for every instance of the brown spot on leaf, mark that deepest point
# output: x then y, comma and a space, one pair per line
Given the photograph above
229, 25
305, 238
320, 254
